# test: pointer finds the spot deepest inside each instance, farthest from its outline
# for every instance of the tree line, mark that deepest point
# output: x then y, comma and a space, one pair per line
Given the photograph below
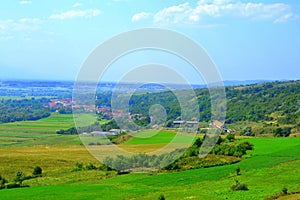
24, 109
184, 158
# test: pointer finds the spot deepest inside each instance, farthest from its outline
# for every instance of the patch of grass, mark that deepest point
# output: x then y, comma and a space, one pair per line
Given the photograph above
57, 162
159, 137
193, 184
28, 133
274, 164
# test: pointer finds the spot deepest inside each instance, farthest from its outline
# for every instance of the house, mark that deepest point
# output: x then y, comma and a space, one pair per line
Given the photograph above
220, 125
115, 131
100, 133
178, 122
187, 122
111, 132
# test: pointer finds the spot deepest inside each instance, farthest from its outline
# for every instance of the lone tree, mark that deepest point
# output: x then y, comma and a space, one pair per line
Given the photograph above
282, 132
238, 171
230, 137
37, 171
2, 182
161, 197
19, 178
198, 142
248, 131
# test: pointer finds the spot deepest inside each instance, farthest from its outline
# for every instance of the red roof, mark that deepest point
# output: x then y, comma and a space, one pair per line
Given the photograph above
217, 123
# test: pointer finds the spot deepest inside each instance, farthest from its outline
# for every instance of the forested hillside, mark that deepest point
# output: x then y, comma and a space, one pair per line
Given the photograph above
277, 100
21, 110
258, 102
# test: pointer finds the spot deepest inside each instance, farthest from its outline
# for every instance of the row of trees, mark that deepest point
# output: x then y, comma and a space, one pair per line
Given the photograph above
20, 177
21, 110
180, 158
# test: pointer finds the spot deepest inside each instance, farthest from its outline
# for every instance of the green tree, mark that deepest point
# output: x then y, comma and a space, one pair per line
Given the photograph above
248, 131
239, 186
230, 137
198, 142
37, 171
19, 178
238, 171
2, 182
161, 197
282, 132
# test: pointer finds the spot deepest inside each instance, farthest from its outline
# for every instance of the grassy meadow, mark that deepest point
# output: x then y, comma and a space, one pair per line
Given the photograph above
28, 133
271, 166
266, 172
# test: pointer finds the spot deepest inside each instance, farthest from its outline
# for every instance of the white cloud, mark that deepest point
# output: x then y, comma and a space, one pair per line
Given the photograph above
10, 26
284, 18
76, 14
173, 14
25, 2
75, 5
30, 20
185, 13
140, 16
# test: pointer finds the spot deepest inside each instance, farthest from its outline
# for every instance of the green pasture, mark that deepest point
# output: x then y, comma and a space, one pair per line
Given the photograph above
272, 165
160, 137
42, 131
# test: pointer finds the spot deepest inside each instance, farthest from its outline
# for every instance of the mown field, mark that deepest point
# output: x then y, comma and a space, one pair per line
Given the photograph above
148, 141
271, 166
28, 133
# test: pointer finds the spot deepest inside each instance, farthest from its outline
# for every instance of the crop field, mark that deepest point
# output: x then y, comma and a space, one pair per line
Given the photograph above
271, 166
148, 141
42, 131
159, 137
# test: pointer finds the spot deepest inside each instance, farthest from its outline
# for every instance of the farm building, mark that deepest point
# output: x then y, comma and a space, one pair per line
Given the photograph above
220, 125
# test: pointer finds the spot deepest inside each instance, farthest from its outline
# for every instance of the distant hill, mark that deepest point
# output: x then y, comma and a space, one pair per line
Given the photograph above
264, 101
246, 82
255, 102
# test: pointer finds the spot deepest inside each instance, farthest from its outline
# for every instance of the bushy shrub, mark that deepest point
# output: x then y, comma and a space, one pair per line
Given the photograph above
238, 171
161, 197
20, 177
284, 190
247, 145
2, 182
203, 131
282, 132
231, 150
213, 139
239, 186
90, 166
198, 142
37, 171
248, 131
13, 185
230, 137
79, 167
191, 151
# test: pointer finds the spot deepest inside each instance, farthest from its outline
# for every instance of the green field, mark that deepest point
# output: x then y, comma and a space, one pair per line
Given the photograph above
26, 133
272, 165
159, 137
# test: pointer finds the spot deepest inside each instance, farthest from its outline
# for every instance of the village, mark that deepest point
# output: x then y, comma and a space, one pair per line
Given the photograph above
105, 112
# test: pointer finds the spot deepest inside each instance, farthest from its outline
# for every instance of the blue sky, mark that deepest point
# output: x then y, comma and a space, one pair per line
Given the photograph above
247, 39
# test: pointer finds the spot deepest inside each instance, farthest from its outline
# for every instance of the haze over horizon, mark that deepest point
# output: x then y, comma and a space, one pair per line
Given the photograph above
247, 40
